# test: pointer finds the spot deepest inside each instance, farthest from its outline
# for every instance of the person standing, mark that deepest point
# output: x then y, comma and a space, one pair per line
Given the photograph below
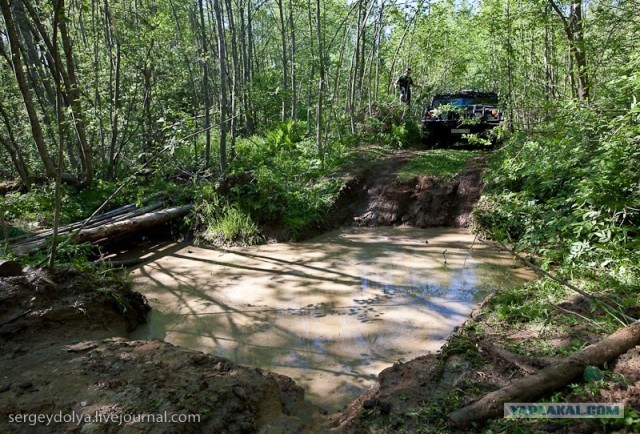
404, 82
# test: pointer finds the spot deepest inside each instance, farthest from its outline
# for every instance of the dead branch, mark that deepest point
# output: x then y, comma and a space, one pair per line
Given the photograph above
549, 379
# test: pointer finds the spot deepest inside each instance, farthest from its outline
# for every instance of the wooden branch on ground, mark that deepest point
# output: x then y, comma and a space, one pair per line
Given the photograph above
113, 226
529, 365
114, 230
48, 232
549, 379
132, 207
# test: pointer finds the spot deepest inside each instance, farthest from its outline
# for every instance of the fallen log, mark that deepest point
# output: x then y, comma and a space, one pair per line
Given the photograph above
118, 229
117, 213
112, 230
549, 379
46, 233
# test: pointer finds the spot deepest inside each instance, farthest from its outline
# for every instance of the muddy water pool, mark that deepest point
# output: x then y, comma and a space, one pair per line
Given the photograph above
332, 312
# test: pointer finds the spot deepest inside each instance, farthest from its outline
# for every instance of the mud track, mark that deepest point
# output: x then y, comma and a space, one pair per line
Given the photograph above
63, 349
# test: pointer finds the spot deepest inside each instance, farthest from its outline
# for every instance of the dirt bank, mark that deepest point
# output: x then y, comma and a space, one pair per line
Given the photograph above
60, 354
376, 197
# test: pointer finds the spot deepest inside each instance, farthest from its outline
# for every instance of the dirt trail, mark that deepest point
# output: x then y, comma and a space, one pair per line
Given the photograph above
62, 351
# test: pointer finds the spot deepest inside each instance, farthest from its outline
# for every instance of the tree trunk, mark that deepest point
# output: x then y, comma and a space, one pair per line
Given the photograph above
235, 75
76, 109
222, 65
13, 148
58, 17
312, 73
18, 70
285, 67
573, 28
319, 143
353, 71
549, 379
205, 86
247, 62
147, 121
194, 87
112, 38
250, 62
292, 35
71, 93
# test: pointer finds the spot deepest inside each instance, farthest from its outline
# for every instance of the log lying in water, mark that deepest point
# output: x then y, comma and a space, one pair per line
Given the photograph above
549, 379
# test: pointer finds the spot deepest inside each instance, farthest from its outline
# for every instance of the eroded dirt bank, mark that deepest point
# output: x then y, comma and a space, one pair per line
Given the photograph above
376, 197
60, 354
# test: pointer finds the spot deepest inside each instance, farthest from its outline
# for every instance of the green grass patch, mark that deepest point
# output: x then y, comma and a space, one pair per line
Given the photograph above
233, 226
446, 163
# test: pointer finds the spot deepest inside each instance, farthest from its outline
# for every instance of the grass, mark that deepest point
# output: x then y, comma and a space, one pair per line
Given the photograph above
233, 226
446, 163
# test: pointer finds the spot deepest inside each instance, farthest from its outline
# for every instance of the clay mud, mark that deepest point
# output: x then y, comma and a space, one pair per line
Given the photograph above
331, 312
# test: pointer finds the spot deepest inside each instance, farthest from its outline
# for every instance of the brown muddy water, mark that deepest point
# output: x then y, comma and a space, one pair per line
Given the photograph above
332, 312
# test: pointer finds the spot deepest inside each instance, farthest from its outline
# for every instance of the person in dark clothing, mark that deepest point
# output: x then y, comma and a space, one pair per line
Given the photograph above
404, 82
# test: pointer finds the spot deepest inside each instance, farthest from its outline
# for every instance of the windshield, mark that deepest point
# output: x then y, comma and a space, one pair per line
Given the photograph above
460, 101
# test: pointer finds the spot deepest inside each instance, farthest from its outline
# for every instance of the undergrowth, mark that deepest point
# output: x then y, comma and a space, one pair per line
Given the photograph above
568, 199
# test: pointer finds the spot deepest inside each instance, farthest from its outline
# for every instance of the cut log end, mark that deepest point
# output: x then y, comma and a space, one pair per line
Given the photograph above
10, 268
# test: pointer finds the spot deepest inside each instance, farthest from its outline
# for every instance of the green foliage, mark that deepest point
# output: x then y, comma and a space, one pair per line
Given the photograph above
285, 137
232, 226
222, 223
530, 302
446, 163
571, 195
404, 134
388, 124
286, 185
462, 345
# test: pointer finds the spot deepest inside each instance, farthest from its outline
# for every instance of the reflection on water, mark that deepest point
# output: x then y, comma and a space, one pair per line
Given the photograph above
331, 312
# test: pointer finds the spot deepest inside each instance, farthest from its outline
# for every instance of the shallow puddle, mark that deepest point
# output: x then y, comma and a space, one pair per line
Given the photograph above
331, 312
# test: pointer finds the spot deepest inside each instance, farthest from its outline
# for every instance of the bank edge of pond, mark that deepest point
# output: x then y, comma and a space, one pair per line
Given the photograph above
482, 356
63, 353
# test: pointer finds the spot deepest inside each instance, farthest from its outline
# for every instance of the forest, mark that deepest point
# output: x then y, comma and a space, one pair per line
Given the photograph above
247, 114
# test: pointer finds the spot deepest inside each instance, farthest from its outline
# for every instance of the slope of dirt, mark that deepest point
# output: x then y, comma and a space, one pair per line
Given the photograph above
376, 197
59, 355
418, 395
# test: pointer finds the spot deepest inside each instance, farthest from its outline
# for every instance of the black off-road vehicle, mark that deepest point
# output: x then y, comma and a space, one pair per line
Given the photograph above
450, 116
